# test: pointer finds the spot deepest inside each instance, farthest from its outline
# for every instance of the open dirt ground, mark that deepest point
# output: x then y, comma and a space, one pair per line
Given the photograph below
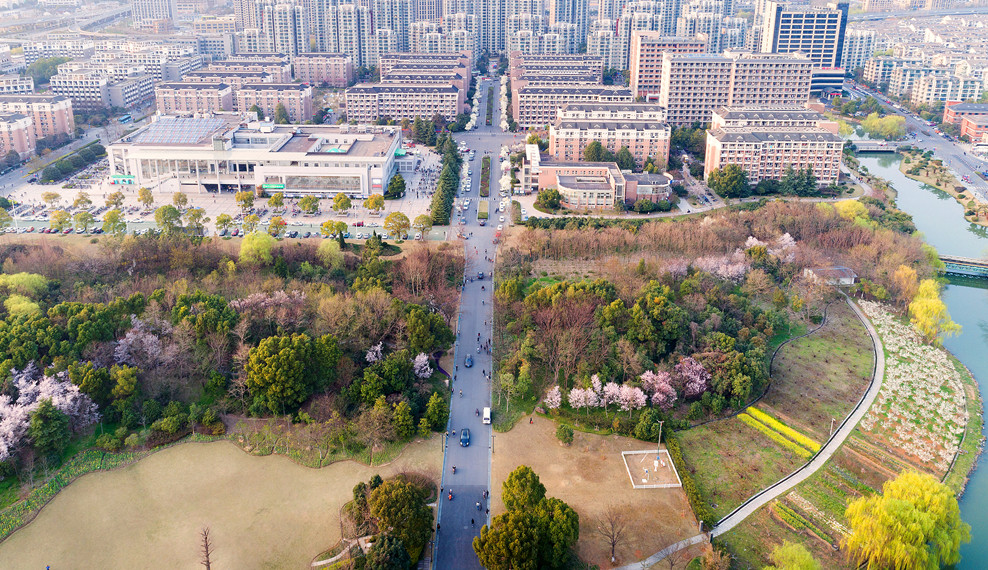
263, 512
590, 476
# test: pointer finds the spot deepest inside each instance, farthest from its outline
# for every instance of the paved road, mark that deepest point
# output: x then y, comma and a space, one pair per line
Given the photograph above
806, 471
957, 159
454, 543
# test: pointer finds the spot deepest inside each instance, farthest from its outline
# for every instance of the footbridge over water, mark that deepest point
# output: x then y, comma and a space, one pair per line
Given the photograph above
967, 266
876, 146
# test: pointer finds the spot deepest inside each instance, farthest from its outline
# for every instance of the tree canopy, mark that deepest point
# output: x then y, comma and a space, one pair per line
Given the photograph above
730, 181
914, 524
283, 371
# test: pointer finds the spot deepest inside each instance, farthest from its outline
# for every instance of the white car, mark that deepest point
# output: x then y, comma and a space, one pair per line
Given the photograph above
500, 227
470, 172
501, 219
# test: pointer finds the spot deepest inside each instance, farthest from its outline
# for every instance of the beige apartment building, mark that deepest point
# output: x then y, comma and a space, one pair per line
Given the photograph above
89, 89
536, 105
279, 68
457, 60
296, 98
13, 83
235, 79
766, 141
647, 49
368, 102
938, 88
49, 114
181, 98
334, 69
638, 126
694, 85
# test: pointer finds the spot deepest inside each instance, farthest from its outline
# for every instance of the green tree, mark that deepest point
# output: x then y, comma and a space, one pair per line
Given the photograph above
283, 371
422, 223
51, 198
329, 227
522, 490
397, 225
257, 112
196, 220
277, 225
144, 196
50, 173
399, 508
114, 200
251, 223
6, 220
374, 202
511, 542
82, 201
224, 222
731, 181
60, 219
168, 219
388, 553
437, 412
245, 199
549, 199
403, 422
277, 200
625, 160
341, 203
559, 528
114, 223
49, 429
12, 158
792, 556
593, 152
83, 221
330, 254
309, 204
281, 115
255, 249
914, 523
43, 68
180, 200
396, 187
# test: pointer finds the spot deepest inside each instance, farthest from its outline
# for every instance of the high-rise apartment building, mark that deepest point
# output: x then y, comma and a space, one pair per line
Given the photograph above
694, 85
932, 89
859, 45
145, 13
285, 28
570, 12
647, 49
815, 32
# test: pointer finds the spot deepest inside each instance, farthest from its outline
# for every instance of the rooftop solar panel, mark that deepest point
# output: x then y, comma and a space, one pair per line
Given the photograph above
178, 130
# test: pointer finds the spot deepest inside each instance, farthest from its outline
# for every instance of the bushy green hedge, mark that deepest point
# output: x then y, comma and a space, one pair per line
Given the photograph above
700, 507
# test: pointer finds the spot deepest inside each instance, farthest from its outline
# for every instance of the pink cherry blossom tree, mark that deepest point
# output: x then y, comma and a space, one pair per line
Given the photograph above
420, 366
692, 376
611, 395
659, 385
578, 399
553, 398
375, 353
631, 398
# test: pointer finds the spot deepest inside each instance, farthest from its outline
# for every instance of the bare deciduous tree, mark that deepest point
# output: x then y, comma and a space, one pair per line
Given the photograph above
611, 525
207, 548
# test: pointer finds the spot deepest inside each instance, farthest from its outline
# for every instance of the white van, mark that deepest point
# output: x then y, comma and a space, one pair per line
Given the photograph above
487, 415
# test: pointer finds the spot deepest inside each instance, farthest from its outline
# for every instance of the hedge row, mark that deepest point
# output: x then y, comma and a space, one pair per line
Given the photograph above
783, 429
449, 184
775, 436
700, 507
485, 177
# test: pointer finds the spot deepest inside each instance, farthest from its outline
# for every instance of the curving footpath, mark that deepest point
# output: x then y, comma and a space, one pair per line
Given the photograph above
798, 476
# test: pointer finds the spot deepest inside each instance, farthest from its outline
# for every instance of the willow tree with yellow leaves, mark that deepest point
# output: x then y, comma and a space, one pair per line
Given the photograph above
915, 524
928, 313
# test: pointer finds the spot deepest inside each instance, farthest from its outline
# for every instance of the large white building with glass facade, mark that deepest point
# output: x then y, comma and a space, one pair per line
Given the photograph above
224, 153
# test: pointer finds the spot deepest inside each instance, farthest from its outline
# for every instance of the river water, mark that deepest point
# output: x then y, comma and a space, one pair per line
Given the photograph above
941, 220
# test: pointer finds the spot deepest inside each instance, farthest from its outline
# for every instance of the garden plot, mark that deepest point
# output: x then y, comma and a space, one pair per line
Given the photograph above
920, 409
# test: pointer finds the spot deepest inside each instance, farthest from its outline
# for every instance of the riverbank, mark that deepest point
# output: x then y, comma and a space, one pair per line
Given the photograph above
932, 173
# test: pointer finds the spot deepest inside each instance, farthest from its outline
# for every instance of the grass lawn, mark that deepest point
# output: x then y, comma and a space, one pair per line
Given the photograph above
821, 376
263, 512
731, 462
